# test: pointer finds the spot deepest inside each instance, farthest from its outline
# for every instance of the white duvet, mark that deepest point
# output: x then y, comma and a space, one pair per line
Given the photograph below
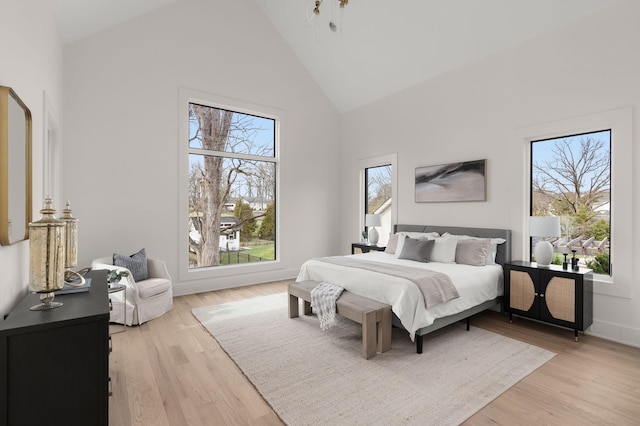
475, 284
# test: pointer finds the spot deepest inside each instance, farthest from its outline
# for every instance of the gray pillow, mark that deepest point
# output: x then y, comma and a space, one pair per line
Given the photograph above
136, 263
472, 252
418, 250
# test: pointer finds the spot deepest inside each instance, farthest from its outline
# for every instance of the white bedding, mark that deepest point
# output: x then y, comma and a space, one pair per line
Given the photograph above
475, 284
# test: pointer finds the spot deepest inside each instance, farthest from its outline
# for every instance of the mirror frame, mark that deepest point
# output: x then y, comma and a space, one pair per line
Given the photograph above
6, 93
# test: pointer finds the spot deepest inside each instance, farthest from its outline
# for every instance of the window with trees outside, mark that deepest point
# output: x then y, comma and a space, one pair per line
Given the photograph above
232, 187
378, 197
571, 178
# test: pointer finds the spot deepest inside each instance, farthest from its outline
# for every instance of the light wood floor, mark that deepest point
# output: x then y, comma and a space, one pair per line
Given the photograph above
170, 371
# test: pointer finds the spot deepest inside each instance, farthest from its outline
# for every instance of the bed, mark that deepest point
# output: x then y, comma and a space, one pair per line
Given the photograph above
479, 287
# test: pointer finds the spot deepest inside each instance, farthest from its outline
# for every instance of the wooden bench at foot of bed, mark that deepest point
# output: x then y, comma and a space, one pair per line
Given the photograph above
374, 316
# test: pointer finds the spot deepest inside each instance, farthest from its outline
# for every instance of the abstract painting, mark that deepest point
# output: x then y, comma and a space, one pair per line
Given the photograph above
465, 181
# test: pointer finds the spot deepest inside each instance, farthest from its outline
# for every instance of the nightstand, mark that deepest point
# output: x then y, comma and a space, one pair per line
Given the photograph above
115, 288
550, 294
365, 248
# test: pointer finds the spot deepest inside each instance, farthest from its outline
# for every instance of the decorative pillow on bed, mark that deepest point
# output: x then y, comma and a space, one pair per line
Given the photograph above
418, 250
472, 252
493, 245
136, 263
415, 235
444, 250
392, 244
493, 250
420, 235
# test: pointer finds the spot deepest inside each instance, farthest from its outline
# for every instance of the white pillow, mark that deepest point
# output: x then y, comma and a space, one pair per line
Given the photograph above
419, 235
392, 244
415, 235
493, 250
444, 250
493, 245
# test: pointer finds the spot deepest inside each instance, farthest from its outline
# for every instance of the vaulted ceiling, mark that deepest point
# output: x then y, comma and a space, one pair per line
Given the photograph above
379, 47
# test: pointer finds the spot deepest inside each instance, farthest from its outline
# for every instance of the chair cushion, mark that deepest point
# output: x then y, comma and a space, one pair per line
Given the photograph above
136, 263
152, 287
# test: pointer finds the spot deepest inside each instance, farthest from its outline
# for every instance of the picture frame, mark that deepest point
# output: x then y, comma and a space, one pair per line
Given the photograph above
452, 182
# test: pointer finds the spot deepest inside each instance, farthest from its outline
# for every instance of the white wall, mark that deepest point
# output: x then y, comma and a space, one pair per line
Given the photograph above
30, 63
588, 67
121, 131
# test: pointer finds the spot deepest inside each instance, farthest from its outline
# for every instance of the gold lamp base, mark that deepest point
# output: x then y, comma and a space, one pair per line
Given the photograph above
47, 302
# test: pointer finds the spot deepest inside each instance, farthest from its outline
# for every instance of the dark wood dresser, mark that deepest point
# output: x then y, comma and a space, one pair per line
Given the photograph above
549, 293
54, 365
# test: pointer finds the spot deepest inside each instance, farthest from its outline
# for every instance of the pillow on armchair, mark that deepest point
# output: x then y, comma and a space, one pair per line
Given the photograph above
136, 263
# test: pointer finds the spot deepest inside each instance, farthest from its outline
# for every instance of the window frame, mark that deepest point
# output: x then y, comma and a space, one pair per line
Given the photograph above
186, 97
619, 121
363, 164
531, 162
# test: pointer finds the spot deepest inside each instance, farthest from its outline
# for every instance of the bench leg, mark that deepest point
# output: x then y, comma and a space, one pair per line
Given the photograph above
293, 306
418, 344
384, 331
307, 308
369, 335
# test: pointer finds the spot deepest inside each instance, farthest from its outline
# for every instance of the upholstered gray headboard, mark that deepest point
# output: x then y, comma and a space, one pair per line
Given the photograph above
504, 250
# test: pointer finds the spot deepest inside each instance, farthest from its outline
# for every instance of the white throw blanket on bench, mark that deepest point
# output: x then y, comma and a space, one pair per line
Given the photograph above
323, 301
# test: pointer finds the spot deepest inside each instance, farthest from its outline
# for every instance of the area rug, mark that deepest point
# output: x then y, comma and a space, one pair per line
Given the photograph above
315, 377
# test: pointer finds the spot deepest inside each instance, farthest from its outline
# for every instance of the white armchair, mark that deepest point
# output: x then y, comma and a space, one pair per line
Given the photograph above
146, 299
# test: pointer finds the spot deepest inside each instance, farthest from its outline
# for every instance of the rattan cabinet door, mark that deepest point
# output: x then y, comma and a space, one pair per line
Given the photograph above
522, 295
562, 295
521, 291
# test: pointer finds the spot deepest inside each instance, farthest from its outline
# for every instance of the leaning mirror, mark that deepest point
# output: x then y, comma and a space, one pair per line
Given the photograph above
15, 168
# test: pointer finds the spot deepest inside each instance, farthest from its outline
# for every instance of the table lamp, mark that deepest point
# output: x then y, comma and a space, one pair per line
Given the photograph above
542, 227
373, 220
46, 257
71, 277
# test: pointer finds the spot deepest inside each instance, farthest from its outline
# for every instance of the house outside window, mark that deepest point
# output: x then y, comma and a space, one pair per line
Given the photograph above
231, 186
571, 178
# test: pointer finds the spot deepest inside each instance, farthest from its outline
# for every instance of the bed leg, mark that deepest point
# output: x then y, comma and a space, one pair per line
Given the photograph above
418, 344
468, 322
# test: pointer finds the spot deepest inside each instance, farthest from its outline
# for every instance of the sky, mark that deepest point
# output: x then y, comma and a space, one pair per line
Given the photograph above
541, 151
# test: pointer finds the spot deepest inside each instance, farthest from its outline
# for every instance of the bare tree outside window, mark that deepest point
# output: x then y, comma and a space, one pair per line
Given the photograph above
378, 187
379, 196
231, 186
571, 178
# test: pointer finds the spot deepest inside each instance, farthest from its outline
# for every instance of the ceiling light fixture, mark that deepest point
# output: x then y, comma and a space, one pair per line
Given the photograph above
312, 9
318, 3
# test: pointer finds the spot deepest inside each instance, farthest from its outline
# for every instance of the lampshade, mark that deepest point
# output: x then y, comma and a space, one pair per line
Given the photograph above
544, 226
373, 220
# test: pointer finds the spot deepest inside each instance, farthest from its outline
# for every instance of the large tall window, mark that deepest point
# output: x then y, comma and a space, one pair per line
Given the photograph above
232, 187
571, 178
378, 197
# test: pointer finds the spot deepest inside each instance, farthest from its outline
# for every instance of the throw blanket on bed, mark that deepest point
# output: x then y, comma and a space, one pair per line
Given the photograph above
436, 287
323, 300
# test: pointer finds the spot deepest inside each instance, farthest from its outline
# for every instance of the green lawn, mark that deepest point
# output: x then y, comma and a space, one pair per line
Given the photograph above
255, 254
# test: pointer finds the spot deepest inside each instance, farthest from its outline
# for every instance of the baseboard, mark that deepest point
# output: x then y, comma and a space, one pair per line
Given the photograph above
243, 280
615, 332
